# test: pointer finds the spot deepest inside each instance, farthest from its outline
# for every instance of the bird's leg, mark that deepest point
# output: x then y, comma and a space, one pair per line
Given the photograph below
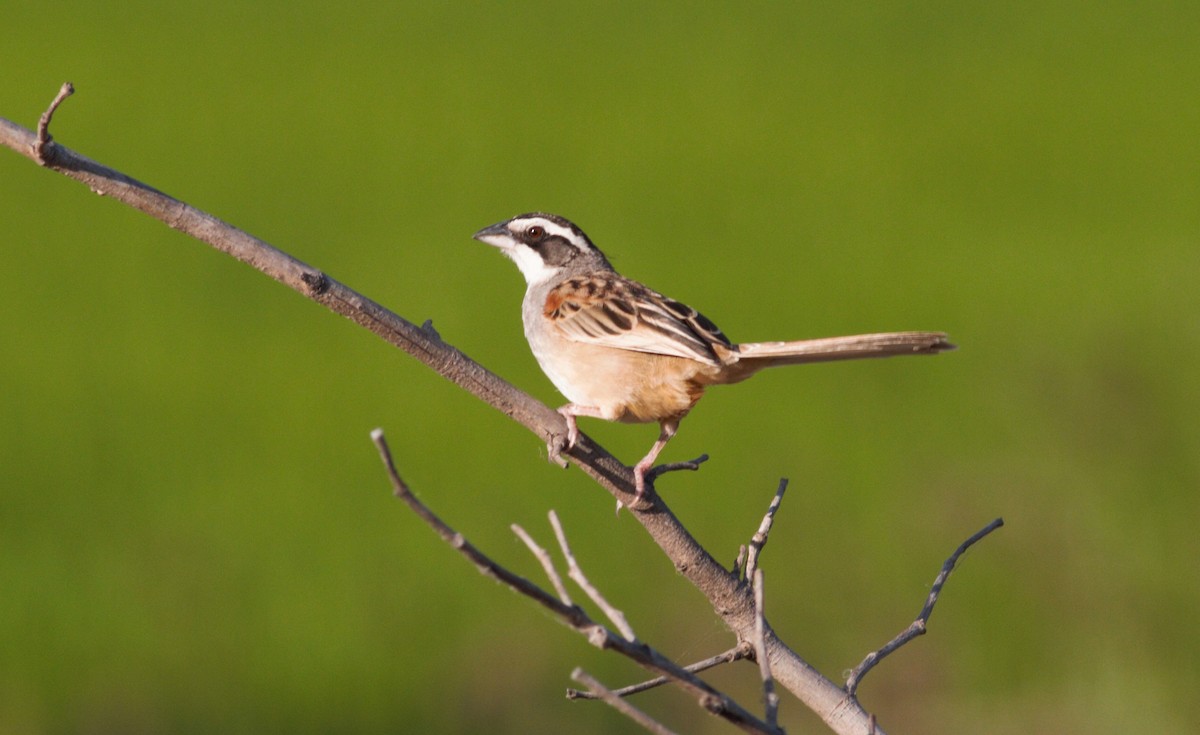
569, 412
572, 428
667, 430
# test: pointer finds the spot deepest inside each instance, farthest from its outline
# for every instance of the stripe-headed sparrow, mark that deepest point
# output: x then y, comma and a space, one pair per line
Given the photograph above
622, 352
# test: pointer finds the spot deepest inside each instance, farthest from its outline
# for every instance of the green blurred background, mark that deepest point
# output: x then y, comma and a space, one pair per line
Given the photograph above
195, 531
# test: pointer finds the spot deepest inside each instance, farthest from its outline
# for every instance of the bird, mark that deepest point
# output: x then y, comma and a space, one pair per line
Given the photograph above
621, 351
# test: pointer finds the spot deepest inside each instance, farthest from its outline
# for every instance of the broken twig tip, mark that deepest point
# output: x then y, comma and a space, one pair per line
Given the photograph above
44, 139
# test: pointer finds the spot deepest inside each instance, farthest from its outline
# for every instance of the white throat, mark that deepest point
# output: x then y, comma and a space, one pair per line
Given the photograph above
531, 264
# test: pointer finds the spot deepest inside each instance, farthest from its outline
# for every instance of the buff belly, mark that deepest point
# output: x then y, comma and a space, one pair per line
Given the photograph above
633, 387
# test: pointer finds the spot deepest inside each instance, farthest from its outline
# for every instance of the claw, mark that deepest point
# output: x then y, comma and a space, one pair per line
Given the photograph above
555, 448
572, 427
554, 452
559, 444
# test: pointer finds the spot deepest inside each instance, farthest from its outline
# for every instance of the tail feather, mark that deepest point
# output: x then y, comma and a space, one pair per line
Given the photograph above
754, 356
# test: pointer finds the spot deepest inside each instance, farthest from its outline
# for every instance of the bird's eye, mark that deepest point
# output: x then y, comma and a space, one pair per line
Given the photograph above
536, 232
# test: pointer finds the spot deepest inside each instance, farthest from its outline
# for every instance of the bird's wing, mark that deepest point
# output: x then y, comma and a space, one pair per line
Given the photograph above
612, 311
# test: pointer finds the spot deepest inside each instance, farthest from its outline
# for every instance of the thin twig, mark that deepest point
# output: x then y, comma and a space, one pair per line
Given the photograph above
737, 653
764, 529
599, 691
739, 562
918, 626
770, 698
547, 564
692, 464
44, 139
645, 502
487, 567
575, 573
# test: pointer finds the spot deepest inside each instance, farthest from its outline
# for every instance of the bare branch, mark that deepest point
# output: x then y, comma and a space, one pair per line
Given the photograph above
917, 627
709, 698
421, 343
759, 539
737, 653
599, 691
44, 139
547, 564
574, 572
770, 698
572, 615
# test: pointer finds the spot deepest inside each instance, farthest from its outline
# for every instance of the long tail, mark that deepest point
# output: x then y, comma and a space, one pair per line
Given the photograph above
754, 356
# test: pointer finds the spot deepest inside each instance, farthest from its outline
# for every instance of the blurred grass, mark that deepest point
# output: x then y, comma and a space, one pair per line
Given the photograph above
195, 534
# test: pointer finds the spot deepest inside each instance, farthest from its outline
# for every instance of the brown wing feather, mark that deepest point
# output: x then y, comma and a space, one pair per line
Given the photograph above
615, 312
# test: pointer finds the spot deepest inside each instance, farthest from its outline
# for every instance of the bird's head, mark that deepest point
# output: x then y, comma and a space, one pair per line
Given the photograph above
544, 245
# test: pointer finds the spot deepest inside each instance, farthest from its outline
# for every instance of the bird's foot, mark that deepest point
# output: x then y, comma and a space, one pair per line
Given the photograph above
554, 452
644, 477
639, 485
559, 444
572, 427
